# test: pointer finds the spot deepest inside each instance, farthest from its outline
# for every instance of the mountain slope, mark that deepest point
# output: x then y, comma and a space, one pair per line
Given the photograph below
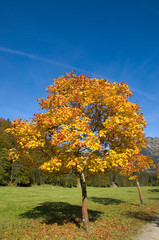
152, 149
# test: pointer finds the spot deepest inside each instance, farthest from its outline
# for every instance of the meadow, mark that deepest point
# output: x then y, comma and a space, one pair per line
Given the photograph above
48, 212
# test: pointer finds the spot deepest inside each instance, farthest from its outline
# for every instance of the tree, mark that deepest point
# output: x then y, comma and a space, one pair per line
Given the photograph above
89, 125
158, 170
133, 168
6, 142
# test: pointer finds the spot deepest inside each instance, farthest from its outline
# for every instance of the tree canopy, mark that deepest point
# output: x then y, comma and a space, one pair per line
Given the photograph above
6, 142
88, 123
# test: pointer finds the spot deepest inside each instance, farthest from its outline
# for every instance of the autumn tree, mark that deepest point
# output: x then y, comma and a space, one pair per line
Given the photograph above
88, 125
134, 167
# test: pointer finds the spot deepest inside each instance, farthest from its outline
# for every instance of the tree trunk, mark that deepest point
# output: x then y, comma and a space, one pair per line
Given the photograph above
140, 193
11, 176
86, 225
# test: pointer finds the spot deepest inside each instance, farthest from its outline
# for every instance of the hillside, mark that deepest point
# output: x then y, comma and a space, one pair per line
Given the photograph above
152, 149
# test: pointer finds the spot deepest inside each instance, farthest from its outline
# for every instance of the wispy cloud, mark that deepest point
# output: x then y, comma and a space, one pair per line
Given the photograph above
152, 117
143, 65
32, 56
63, 65
137, 75
144, 94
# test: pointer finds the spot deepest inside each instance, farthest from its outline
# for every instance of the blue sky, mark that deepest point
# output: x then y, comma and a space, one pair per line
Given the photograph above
41, 40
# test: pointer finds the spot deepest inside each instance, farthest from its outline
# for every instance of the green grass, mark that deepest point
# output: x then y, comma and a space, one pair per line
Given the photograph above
47, 212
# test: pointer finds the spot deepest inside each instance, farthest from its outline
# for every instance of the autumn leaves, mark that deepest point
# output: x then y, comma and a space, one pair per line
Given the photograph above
83, 117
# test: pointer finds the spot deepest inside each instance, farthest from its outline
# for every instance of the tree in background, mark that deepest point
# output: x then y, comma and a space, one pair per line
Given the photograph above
89, 125
6, 142
158, 169
135, 165
16, 172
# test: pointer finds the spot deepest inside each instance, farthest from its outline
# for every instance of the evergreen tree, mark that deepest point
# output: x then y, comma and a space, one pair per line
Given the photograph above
6, 142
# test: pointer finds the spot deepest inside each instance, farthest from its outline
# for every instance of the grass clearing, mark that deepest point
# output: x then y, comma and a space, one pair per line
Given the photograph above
47, 212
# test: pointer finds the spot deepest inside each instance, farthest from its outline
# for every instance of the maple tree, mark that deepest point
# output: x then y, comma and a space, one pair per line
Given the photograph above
88, 125
133, 168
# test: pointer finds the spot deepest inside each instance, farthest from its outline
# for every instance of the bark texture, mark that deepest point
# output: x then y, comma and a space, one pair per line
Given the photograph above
85, 217
140, 193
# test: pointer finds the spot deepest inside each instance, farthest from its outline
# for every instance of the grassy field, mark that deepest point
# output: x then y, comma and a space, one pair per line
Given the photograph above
47, 212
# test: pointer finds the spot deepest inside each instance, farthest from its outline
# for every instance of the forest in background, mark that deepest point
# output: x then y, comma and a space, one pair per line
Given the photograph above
18, 173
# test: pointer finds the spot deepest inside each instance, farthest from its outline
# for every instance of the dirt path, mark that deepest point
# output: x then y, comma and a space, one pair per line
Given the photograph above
150, 231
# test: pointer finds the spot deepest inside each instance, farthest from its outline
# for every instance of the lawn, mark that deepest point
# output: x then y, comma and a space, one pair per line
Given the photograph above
47, 212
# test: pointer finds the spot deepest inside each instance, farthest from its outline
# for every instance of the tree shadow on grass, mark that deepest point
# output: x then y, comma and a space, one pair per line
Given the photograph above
141, 215
106, 201
155, 198
154, 190
60, 213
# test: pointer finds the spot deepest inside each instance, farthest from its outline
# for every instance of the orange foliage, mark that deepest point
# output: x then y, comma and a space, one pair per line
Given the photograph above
137, 164
88, 124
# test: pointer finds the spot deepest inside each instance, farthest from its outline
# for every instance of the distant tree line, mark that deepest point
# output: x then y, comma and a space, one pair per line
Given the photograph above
21, 174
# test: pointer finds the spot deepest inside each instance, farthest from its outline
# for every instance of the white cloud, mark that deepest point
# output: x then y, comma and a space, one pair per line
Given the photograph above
32, 56
145, 94
24, 54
